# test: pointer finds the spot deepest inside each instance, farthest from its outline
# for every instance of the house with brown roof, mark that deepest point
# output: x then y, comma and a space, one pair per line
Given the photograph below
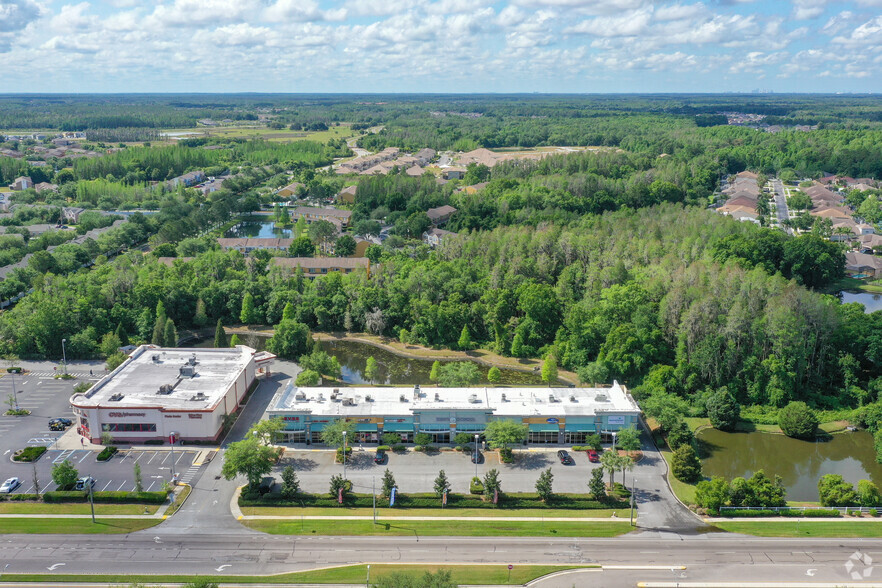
441, 214
475, 188
747, 174
292, 189
871, 242
187, 180
312, 214
424, 156
46, 187
434, 236
415, 171
347, 195
253, 244
857, 263
453, 173
22, 183
832, 212
71, 214
319, 266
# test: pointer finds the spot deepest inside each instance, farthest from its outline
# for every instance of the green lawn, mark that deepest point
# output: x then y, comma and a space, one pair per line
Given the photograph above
75, 526
75, 508
467, 574
833, 528
294, 511
451, 528
261, 132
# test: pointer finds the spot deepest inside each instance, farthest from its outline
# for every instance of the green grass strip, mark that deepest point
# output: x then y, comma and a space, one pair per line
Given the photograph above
462, 528
835, 528
75, 526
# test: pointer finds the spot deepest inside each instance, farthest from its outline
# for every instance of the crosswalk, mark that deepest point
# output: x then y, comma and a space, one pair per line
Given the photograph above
188, 476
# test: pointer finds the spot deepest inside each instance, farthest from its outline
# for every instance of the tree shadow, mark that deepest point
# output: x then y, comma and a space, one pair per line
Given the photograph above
530, 461
304, 464
360, 461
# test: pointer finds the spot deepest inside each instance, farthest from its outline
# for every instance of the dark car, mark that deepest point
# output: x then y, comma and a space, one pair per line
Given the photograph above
56, 426
64, 421
593, 456
380, 456
564, 457
477, 457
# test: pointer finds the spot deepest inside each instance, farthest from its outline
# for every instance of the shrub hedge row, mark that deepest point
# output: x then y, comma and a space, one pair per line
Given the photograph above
784, 513
428, 500
17, 497
106, 497
107, 453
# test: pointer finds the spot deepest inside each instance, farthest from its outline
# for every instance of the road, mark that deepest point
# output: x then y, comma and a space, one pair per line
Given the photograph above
781, 204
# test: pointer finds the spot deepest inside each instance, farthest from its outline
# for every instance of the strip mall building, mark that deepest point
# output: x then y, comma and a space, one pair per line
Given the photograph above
553, 415
159, 391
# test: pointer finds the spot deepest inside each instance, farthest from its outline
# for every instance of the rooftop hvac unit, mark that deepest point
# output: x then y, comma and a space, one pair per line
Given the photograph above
198, 396
368, 398
192, 360
572, 397
551, 398
601, 398
473, 399
348, 402
155, 358
188, 371
166, 389
116, 397
321, 397
334, 395
503, 397
301, 396
401, 398
437, 397
336, 391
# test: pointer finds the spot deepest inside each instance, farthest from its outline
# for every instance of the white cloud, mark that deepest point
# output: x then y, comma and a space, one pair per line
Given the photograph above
17, 14
625, 25
808, 9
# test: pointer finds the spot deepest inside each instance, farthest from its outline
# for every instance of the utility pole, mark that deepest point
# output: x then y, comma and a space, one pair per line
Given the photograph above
344, 455
633, 497
374, 495
173, 437
14, 394
64, 355
91, 502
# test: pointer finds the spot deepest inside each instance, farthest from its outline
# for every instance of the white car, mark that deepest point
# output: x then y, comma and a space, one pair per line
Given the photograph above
10, 485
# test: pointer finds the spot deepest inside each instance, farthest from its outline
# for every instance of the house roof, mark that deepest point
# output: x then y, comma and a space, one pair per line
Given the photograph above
746, 174
318, 211
855, 260
831, 212
479, 156
321, 262
441, 211
727, 209
230, 243
415, 171
291, 187
349, 190
742, 201
440, 233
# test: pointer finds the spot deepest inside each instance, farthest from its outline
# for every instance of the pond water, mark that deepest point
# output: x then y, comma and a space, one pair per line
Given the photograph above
393, 370
871, 302
799, 463
257, 227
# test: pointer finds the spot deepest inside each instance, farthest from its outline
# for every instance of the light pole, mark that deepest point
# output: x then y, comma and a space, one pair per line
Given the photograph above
367, 582
14, 394
173, 436
64, 356
91, 503
633, 497
476, 455
344, 455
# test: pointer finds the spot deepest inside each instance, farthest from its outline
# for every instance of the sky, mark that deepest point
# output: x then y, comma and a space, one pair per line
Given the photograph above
581, 46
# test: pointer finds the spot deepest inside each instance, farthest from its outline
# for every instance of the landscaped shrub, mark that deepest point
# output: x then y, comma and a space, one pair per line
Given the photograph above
506, 455
384, 448
476, 486
29, 454
399, 448
106, 497
107, 453
19, 497
422, 448
819, 513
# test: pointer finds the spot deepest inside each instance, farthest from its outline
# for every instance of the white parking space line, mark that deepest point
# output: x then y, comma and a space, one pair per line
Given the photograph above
164, 458
106, 485
179, 458
28, 491
150, 486
155, 453
88, 453
121, 486
140, 455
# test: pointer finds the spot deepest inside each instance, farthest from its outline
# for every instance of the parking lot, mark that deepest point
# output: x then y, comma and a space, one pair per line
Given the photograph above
416, 472
116, 474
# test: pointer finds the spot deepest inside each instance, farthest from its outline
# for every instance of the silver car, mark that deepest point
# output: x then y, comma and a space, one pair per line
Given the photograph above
10, 485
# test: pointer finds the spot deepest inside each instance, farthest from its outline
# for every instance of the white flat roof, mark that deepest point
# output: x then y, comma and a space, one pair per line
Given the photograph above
523, 402
149, 368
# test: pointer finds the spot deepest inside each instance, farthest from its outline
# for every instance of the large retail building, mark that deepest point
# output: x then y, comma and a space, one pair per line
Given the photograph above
553, 415
159, 391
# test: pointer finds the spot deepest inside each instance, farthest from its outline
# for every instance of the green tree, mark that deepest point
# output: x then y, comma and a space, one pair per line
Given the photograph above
679, 435
594, 373
501, 433
685, 465
593, 441
391, 438
370, 370
170, 337
877, 445
404, 336
321, 232
266, 430
465, 339
799, 201
319, 361
544, 485
288, 313
441, 484
797, 420
712, 494
290, 483
439, 579
388, 483
595, 485
423, 439
159, 325
115, 360
234, 340
300, 227
609, 462
110, 344
250, 458
458, 374
870, 209
549, 370
200, 318
121, 335
308, 378
433, 373
64, 475
136, 472
333, 433
833, 490
345, 246
220, 336
249, 314
868, 493
628, 439
723, 410
494, 375
492, 483
337, 483
292, 339
301, 247
517, 346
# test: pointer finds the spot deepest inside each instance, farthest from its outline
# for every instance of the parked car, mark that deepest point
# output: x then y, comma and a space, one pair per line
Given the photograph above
564, 457
477, 457
10, 485
84, 483
56, 426
593, 456
64, 421
380, 456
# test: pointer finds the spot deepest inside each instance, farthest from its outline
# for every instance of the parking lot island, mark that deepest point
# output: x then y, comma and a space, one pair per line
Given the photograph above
161, 392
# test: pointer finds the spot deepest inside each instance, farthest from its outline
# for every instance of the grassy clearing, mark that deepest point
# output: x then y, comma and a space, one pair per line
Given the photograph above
833, 528
76, 508
472, 574
293, 511
260, 132
75, 526
464, 528
684, 491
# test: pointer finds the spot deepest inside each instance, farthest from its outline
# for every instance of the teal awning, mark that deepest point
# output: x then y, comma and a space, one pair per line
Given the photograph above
398, 427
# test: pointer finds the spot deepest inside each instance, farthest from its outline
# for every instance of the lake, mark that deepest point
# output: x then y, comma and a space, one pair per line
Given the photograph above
799, 463
871, 302
392, 369
257, 227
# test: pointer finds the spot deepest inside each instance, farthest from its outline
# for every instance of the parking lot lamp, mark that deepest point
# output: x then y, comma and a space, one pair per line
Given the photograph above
64, 356
476, 455
14, 394
633, 497
90, 483
344, 455
172, 437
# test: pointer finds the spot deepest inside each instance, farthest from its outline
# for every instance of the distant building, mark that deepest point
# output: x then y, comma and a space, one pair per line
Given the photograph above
249, 245
311, 214
22, 183
317, 266
290, 190
453, 173
188, 179
347, 195
863, 264
441, 214
434, 236
46, 187
71, 214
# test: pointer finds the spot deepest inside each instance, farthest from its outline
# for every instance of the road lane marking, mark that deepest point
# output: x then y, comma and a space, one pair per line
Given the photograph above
53, 566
